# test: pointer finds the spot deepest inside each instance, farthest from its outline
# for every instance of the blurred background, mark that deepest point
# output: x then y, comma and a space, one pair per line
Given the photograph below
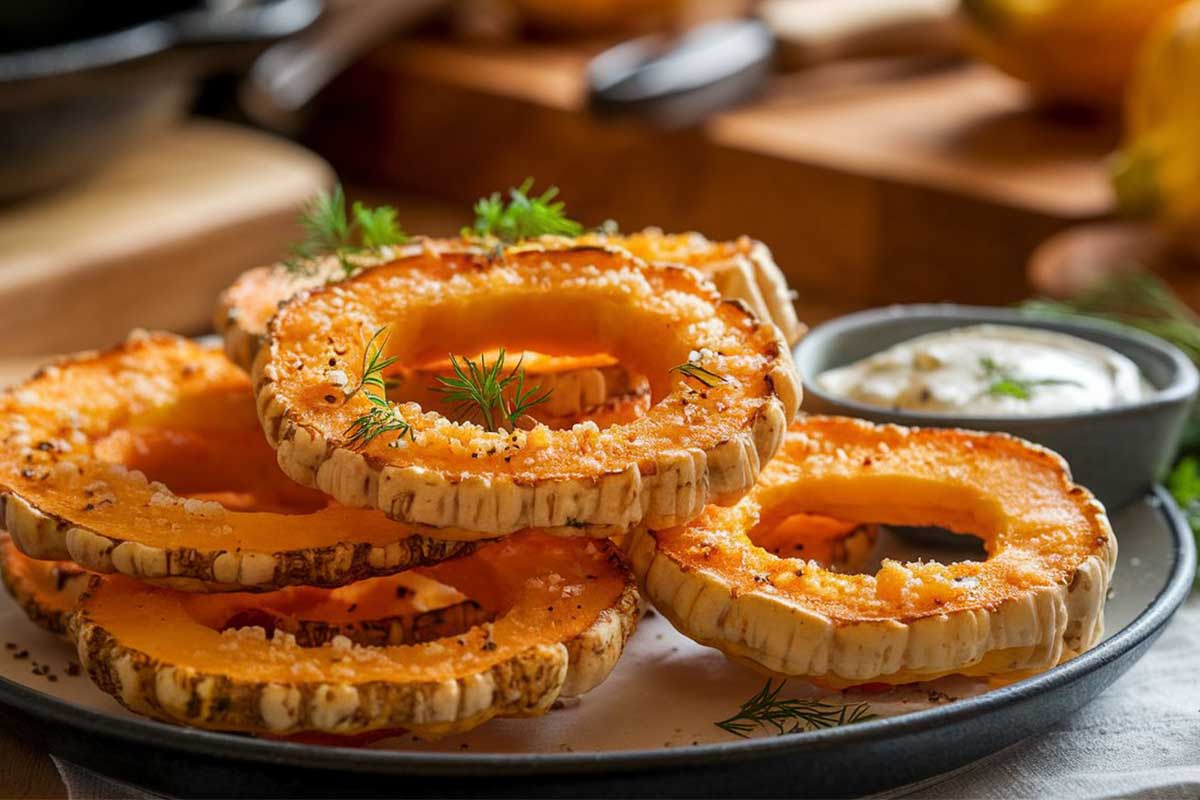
982, 151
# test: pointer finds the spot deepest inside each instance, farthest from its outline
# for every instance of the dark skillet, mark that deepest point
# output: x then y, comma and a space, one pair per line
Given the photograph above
79, 79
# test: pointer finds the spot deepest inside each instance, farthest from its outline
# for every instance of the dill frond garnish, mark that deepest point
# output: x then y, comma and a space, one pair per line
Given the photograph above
1004, 383
766, 710
329, 230
690, 369
482, 391
523, 216
383, 416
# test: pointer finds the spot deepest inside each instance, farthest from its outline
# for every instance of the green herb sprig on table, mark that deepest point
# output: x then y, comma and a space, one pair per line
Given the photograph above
766, 710
481, 391
329, 230
1003, 383
524, 216
383, 417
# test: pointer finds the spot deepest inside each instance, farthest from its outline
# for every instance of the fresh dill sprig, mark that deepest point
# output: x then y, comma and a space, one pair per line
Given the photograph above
328, 230
374, 363
383, 416
1005, 384
482, 390
690, 369
523, 216
766, 710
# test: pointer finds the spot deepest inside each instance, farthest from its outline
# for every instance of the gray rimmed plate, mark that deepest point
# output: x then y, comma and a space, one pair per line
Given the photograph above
648, 730
1117, 453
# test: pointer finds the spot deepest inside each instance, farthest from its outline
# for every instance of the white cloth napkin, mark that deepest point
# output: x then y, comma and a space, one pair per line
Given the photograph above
1139, 739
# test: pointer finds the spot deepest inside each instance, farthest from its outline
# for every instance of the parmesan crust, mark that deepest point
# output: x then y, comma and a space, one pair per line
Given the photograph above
715, 440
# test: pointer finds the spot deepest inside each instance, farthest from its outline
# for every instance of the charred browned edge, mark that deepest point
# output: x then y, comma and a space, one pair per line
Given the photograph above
412, 627
400, 629
49, 619
626, 607
236, 704
313, 566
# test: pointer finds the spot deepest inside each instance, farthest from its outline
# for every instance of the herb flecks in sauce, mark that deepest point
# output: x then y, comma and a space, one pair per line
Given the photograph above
1004, 383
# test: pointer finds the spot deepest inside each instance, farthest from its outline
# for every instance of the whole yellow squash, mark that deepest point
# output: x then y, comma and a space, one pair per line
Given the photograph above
1080, 52
1157, 171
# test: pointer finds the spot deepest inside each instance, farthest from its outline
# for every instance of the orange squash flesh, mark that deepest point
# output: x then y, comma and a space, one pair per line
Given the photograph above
568, 301
83, 444
1050, 554
834, 544
554, 604
46, 590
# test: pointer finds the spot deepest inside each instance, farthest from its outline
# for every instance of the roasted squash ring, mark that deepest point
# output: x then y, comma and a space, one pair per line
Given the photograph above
1038, 597
696, 444
742, 269
578, 386
563, 610
45, 590
397, 609
77, 439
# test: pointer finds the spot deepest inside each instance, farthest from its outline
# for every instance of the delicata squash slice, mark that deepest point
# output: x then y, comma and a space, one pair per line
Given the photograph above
723, 388
593, 385
45, 590
398, 609
557, 615
1039, 596
78, 440
742, 269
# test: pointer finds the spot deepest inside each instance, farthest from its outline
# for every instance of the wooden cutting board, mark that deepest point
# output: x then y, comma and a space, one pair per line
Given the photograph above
873, 182
150, 239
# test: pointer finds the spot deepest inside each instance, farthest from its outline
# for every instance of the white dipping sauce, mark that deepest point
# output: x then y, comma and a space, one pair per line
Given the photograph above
992, 371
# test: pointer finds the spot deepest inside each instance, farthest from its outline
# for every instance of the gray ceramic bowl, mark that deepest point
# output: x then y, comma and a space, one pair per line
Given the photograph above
1117, 453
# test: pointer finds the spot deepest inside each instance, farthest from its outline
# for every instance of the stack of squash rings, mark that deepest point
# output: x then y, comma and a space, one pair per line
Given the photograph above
306, 532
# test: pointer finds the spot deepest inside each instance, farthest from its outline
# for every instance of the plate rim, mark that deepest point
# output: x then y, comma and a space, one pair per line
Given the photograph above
193, 741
